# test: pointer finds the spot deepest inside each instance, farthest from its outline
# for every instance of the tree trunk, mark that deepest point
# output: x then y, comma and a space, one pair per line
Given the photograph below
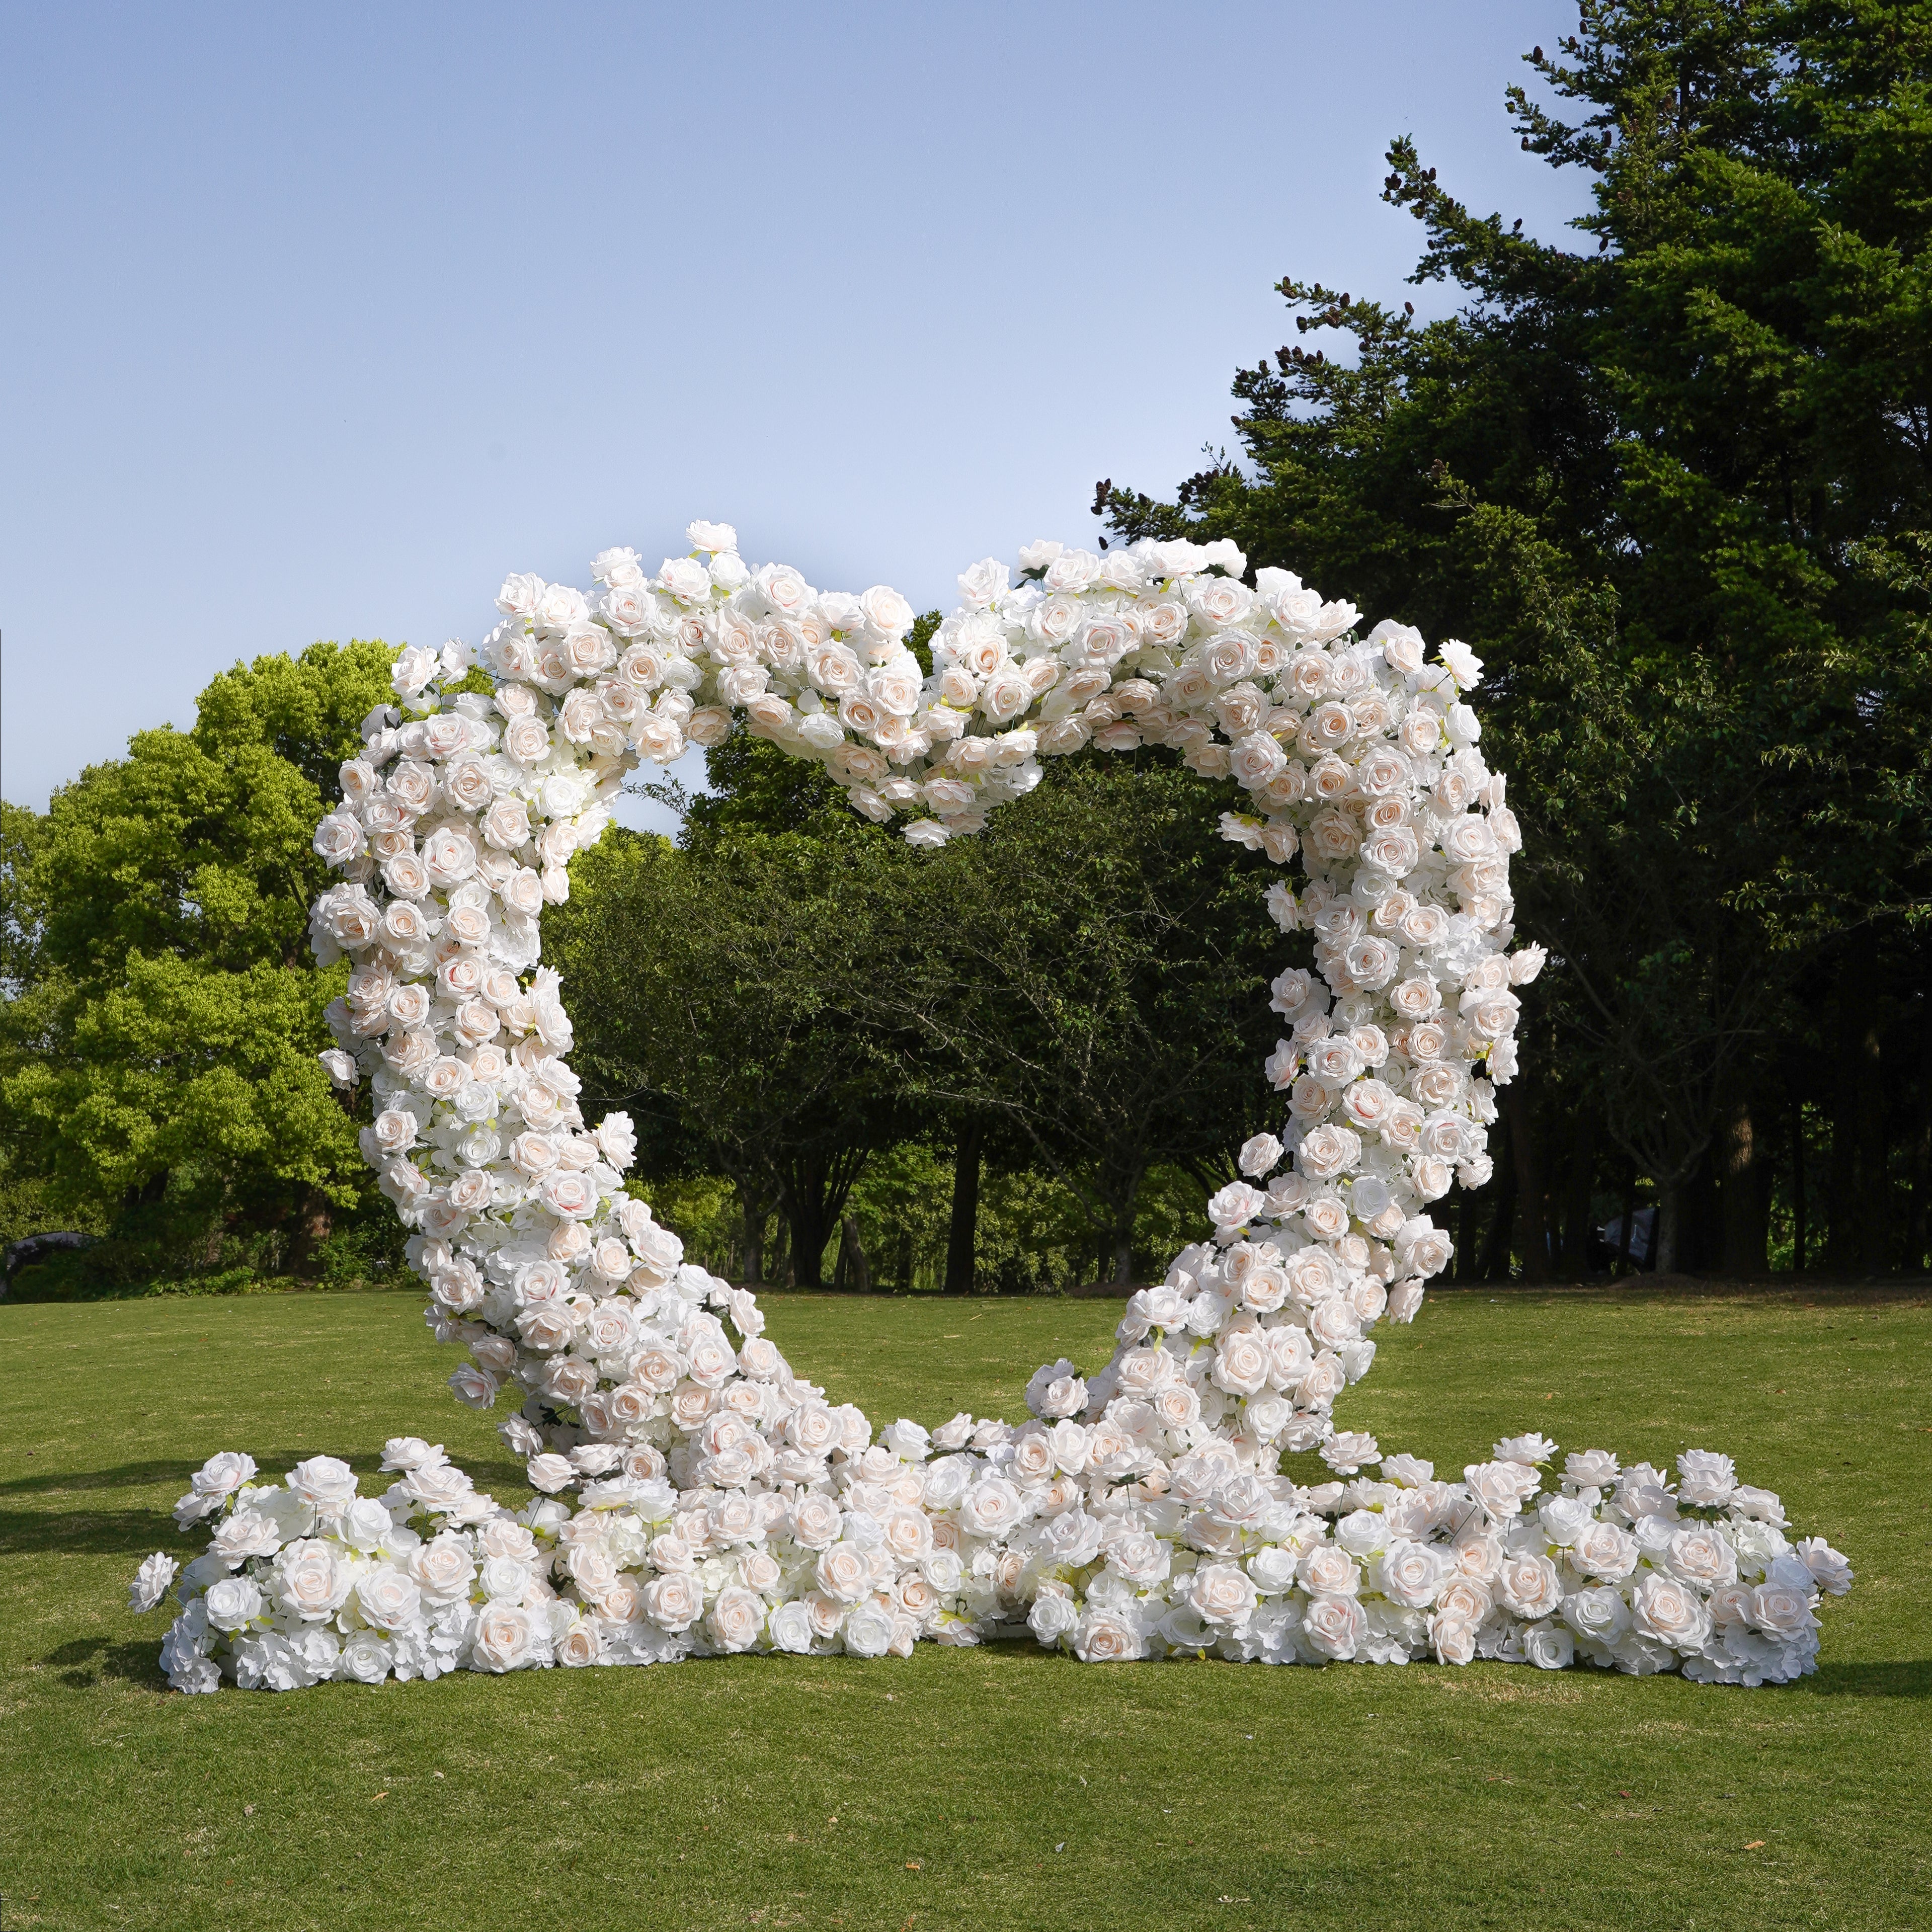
1669, 1213
805, 1212
809, 1237
1463, 1266
1475, 1238
853, 1271
962, 1230
1799, 1230
1627, 1230
753, 1218
1120, 1190
1874, 1152
1578, 1189
1526, 1159
1699, 1232
1921, 1152
313, 1221
1841, 1204
812, 1194
1496, 1262
1741, 1196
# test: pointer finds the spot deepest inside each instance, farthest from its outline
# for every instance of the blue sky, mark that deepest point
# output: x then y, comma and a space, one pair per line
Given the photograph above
318, 322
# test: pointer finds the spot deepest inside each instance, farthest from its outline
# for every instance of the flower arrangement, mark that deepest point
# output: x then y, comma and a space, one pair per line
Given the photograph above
722, 1504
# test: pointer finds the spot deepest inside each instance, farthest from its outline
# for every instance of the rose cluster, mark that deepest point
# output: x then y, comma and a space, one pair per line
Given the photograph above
950, 1534
723, 1503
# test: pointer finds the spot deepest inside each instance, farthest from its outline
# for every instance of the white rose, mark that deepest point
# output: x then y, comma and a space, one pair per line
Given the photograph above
1053, 1616
1549, 1646
364, 1524
1346, 1450
1777, 1609
1326, 1571
579, 1645
1708, 1478
1334, 1626
366, 1658
686, 579
1402, 646
843, 1571
387, 1598
985, 583
1260, 1155
790, 1628
1236, 1205
673, 1601
309, 1580
1453, 1637
1056, 1390
1698, 1554
1531, 1586
1831, 1571
474, 1387
991, 1506
1221, 1593
1241, 1363
1106, 1637
1599, 1615
151, 1581
505, 1637
221, 1475
1605, 1551
737, 1621
1411, 1573
869, 1630
1669, 1612
526, 740
886, 611
551, 1472
233, 1603
443, 1568
324, 1482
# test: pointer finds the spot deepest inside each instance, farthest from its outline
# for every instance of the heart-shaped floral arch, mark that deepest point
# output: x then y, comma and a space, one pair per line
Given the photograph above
724, 1504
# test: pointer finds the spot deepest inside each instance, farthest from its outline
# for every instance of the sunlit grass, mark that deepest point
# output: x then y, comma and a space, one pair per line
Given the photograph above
975, 1789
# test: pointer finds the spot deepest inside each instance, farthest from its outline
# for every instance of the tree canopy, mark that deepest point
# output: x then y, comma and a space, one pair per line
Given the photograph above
1672, 482
158, 1042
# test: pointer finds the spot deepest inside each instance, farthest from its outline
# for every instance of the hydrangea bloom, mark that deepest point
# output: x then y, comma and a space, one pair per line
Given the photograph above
721, 1503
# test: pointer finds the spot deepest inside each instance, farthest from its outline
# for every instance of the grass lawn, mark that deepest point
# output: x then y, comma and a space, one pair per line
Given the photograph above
966, 1789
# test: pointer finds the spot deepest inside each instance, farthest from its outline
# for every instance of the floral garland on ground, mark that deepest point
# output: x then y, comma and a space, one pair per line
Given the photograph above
724, 1504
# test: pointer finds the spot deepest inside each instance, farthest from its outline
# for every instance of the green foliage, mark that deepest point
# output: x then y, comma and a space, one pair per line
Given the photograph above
162, 1013
793, 992
713, 987
1093, 970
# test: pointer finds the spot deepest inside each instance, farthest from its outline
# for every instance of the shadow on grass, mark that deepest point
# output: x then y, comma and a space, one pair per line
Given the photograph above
95, 1533
129, 1476
89, 1661
1913, 1679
